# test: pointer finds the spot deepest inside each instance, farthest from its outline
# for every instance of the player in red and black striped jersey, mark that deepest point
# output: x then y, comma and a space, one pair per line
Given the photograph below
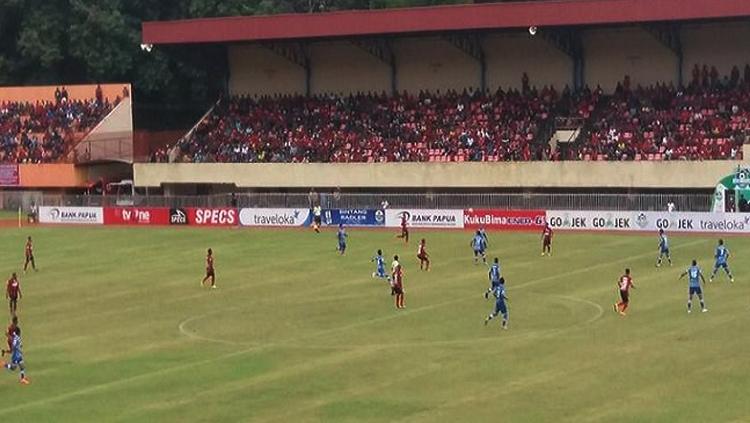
9, 335
423, 256
13, 293
404, 229
210, 273
397, 282
624, 284
547, 239
29, 250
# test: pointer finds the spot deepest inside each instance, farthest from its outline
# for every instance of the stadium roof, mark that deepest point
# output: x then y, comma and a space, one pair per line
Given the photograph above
437, 19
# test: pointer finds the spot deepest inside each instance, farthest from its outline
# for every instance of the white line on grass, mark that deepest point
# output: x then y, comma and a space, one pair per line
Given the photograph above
167, 370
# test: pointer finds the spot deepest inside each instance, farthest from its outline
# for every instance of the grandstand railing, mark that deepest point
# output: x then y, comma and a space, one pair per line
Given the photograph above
12, 200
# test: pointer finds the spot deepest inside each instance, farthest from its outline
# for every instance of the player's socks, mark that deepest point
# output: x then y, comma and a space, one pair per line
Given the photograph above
689, 305
703, 307
505, 323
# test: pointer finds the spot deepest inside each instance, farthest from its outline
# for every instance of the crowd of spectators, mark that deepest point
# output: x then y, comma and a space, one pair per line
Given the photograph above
467, 126
708, 119
41, 132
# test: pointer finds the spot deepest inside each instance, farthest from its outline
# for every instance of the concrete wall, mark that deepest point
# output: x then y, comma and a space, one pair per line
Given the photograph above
722, 45
257, 70
613, 53
510, 55
442, 175
433, 64
343, 68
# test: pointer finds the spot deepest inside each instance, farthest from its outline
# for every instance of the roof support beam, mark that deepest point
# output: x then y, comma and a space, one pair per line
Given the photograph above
471, 44
296, 53
382, 50
569, 41
668, 35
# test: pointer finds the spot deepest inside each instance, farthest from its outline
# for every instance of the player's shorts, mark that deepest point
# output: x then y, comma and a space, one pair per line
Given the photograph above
695, 290
16, 358
398, 289
404, 231
422, 257
210, 273
723, 265
547, 241
478, 252
500, 307
13, 299
29, 257
664, 251
380, 273
625, 296
316, 219
342, 246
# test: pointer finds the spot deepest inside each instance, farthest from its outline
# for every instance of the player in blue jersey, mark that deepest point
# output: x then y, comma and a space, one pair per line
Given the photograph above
695, 276
483, 233
479, 245
379, 266
341, 236
721, 256
16, 357
663, 249
500, 306
495, 276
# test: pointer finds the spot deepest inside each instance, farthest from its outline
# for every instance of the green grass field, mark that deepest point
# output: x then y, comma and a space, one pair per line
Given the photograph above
116, 328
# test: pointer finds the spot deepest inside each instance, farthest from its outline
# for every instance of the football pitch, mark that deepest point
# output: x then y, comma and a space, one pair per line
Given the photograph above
117, 328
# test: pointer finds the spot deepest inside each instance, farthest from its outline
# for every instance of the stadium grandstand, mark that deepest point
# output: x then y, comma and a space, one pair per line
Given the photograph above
592, 81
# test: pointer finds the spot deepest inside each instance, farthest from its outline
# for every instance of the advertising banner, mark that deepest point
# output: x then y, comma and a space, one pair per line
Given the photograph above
73, 215
423, 218
212, 216
136, 216
275, 217
9, 175
593, 220
512, 220
695, 222
178, 216
353, 217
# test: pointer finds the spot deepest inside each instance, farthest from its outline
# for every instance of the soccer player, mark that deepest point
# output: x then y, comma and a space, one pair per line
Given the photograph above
16, 357
479, 245
484, 235
341, 236
695, 276
495, 277
316, 218
210, 272
424, 258
500, 306
404, 229
721, 256
547, 239
624, 284
29, 255
663, 248
13, 293
9, 335
397, 283
379, 266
